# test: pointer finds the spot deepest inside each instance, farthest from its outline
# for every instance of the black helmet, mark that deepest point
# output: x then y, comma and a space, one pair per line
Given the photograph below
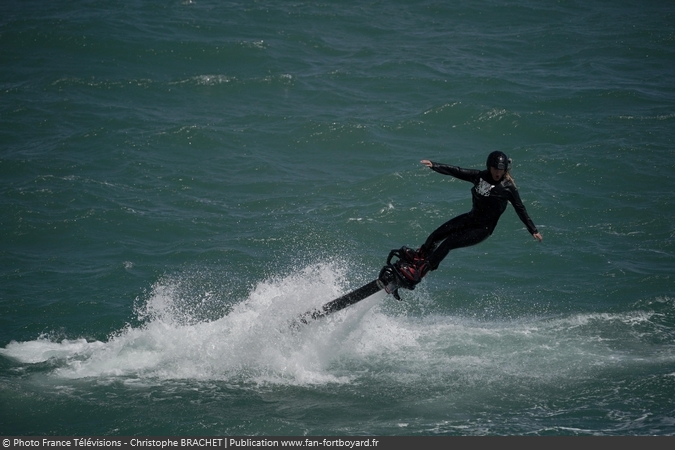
498, 160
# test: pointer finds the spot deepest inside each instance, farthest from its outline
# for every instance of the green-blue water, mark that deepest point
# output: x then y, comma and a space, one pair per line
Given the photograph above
180, 179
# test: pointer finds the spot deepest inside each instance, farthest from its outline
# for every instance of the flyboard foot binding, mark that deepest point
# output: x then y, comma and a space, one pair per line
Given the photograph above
405, 272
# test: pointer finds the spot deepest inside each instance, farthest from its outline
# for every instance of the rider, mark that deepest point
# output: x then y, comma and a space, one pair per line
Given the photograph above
492, 190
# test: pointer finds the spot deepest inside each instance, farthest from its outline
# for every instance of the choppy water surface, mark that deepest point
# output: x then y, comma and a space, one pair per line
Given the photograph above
180, 180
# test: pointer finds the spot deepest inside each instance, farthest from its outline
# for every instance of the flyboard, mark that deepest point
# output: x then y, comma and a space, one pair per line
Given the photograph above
390, 279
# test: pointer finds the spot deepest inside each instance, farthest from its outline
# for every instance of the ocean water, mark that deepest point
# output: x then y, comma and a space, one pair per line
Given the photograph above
180, 179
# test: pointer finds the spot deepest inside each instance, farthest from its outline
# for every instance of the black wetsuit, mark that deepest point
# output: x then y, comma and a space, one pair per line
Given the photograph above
489, 202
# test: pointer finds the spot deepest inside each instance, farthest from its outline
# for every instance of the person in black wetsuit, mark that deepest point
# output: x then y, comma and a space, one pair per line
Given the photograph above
492, 190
